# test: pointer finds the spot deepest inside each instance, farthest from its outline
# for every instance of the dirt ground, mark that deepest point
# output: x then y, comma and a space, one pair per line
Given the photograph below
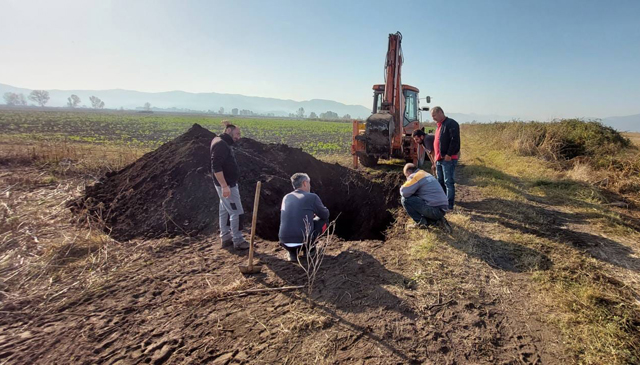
71, 294
174, 300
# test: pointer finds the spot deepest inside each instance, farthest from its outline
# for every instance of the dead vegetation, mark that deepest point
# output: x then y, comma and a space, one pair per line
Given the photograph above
576, 213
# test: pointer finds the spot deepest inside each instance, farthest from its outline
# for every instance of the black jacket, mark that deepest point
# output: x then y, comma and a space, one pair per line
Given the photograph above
223, 159
449, 138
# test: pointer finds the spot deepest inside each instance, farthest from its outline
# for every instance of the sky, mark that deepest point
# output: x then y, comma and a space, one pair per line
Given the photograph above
528, 59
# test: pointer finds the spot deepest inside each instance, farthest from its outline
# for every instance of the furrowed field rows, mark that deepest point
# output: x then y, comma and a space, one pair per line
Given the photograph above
151, 130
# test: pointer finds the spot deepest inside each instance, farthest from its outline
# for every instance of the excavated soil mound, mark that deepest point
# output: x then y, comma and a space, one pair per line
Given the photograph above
170, 191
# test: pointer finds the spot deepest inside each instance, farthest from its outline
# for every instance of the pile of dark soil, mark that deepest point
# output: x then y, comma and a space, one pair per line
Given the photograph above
170, 191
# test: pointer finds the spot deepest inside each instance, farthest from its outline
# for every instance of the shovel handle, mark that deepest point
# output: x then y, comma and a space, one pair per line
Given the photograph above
256, 201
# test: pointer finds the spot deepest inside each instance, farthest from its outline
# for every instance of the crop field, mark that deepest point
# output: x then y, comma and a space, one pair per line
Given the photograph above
151, 130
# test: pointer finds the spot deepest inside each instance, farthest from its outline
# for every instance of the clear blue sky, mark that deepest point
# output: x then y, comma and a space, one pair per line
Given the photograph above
532, 59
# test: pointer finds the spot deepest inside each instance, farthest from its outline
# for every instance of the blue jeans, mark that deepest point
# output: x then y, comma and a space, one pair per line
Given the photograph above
420, 211
446, 171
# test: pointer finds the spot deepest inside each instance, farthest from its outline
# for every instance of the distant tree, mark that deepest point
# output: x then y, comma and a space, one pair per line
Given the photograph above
147, 106
39, 96
329, 115
291, 115
96, 103
300, 112
221, 110
73, 101
14, 99
346, 116
313, 115
234, 111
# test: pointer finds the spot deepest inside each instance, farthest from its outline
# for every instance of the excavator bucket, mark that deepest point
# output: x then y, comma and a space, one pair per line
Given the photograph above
378, 134
374, 141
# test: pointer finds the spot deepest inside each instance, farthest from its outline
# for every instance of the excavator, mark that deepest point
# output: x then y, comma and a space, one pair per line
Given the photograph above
387, 132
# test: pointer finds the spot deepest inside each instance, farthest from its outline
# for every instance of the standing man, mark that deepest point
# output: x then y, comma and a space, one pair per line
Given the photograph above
446, 147
298, 226
225, 176
423, 198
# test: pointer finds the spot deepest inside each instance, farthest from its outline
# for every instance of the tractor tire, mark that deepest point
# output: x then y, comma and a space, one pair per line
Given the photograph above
368, 161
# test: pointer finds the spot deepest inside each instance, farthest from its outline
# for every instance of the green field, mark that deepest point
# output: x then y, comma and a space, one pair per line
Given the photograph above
151, 130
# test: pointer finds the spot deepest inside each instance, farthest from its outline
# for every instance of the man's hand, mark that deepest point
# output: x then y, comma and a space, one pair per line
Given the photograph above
226, 192
447, 158
433, 169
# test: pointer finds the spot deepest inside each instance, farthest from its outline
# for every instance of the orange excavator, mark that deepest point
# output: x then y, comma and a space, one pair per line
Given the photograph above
387, 132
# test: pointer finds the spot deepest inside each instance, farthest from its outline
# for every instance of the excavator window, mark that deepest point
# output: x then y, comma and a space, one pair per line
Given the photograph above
377, 101
410, 106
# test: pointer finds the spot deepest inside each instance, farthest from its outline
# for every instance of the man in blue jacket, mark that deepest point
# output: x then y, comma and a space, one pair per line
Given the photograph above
302, 216
423, 198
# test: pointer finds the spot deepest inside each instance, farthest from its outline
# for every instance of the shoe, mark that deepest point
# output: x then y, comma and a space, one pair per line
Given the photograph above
242, 245
291, 257
444, 225
226, 241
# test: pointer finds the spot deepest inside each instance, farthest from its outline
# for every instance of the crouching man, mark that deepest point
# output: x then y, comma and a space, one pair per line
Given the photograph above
423, 198
298, 226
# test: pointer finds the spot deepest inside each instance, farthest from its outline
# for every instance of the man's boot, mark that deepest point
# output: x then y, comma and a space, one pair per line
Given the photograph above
241, 245
226, 240
444, 225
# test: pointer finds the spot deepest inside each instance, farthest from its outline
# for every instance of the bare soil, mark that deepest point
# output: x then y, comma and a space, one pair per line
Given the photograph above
170, 191
180, 300
175, 303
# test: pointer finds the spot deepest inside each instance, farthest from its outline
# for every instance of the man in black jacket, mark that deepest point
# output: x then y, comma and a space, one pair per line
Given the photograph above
225, 176
446, 148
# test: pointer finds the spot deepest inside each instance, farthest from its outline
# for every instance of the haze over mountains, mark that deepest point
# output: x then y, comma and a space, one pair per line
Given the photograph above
181, 100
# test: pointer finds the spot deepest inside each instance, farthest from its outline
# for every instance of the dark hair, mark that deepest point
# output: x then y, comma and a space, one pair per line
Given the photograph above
418, 132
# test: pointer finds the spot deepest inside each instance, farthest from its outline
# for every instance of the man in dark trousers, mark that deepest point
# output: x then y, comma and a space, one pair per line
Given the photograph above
446, 149
423, 198
298, 226
225, 176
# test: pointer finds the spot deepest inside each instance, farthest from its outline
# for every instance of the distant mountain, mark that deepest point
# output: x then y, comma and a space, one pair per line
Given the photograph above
181, 100
629, 123
114, 99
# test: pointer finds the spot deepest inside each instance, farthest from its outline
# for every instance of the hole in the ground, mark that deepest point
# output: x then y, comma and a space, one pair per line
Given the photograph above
361, 207
170, 191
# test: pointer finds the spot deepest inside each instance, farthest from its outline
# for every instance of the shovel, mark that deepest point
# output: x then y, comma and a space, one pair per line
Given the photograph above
253, 269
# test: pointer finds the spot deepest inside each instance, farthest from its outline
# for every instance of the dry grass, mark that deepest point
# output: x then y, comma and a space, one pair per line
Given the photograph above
593, 302
633, 137
64, 158
42, 253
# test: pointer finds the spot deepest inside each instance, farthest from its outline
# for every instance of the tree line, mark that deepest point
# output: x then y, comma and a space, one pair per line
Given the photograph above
41, 97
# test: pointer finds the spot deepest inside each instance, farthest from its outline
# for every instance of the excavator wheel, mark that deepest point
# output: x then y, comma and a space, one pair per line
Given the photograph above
368, 161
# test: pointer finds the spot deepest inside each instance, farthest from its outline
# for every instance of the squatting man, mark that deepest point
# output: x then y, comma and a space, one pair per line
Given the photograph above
423, 198
302, 218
